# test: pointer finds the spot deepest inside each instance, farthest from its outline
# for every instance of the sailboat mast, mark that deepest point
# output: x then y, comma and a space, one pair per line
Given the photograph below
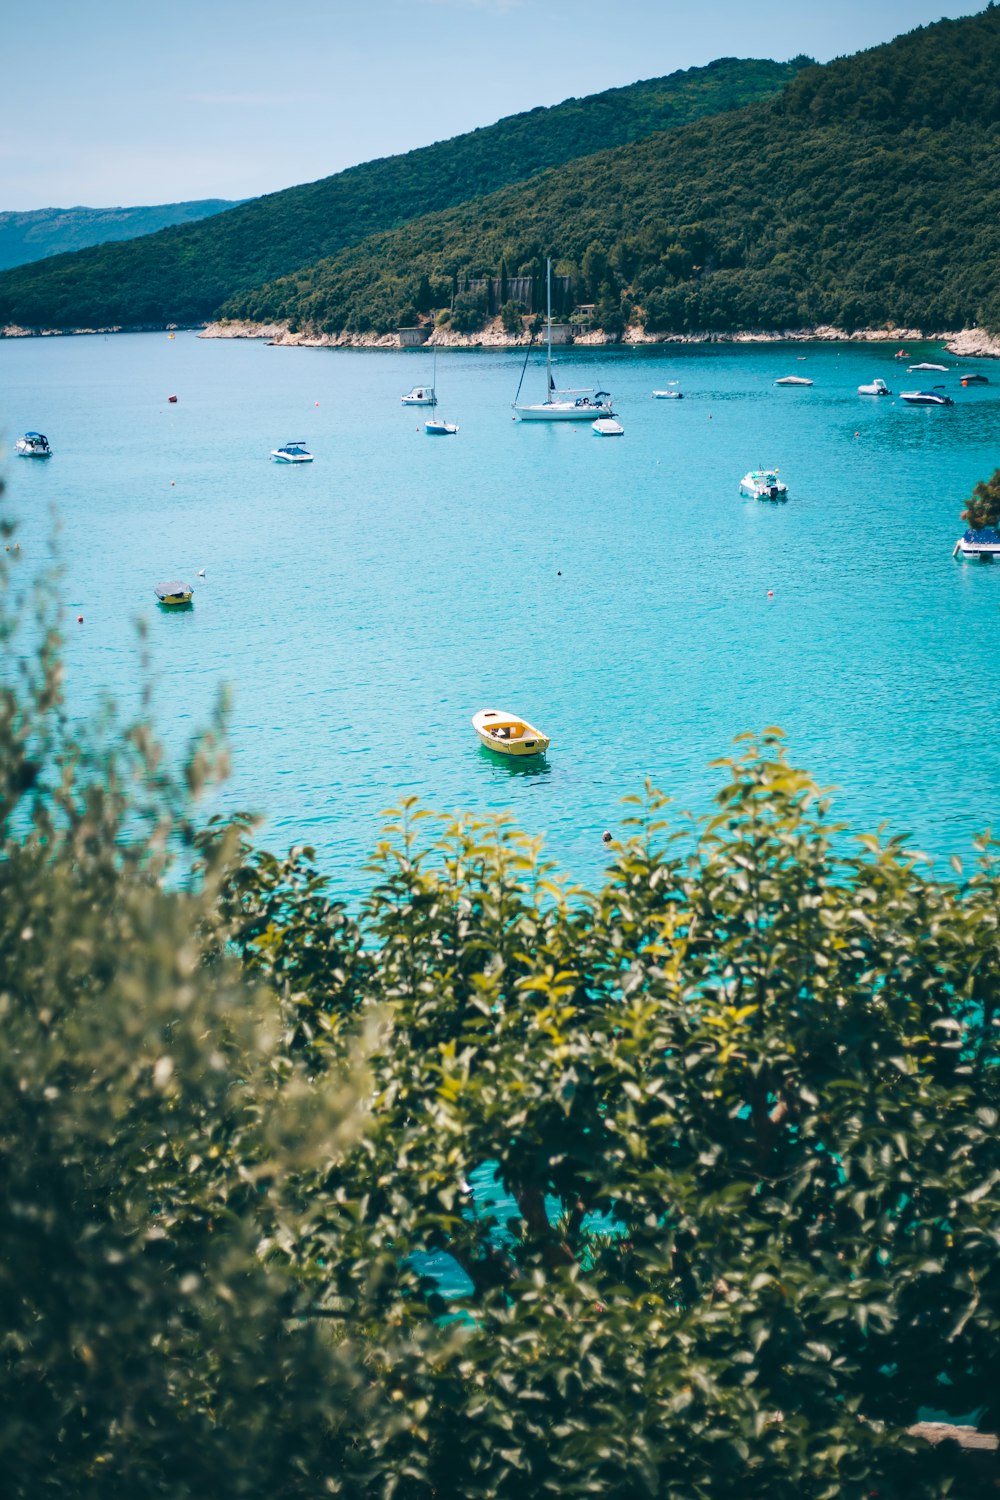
548, 305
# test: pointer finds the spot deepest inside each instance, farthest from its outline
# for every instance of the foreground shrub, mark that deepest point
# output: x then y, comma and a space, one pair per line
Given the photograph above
689, 1188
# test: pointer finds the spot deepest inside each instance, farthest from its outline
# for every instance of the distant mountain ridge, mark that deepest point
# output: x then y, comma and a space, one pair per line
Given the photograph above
34, 234
184, 273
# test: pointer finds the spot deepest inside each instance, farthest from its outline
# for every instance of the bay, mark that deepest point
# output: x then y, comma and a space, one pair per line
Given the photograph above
619, 593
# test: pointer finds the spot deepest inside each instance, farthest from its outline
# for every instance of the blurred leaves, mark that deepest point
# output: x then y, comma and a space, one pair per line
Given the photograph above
687, 1188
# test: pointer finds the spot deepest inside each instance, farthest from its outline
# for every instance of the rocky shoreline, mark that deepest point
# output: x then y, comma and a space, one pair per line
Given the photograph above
965, 343
968, 343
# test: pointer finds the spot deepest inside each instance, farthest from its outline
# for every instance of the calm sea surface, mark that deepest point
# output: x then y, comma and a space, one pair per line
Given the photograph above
616, 592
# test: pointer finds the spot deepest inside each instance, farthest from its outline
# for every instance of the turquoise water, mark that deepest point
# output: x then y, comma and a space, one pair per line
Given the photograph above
619, 593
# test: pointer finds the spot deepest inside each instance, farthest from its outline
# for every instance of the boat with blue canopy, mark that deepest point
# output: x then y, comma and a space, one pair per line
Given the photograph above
292, 453
33, 445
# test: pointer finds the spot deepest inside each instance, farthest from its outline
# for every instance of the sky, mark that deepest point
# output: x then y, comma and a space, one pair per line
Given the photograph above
126, 102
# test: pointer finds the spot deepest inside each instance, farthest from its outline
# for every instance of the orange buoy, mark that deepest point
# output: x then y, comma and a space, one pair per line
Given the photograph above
79, 619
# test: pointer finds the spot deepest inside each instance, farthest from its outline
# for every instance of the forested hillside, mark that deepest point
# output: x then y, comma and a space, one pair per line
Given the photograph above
182, 275
867, 193
39, 232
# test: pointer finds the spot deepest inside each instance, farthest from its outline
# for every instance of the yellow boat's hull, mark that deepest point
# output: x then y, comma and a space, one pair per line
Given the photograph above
509, 735
514, 747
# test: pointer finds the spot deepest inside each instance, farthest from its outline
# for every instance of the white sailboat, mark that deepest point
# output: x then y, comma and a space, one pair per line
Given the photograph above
560, 406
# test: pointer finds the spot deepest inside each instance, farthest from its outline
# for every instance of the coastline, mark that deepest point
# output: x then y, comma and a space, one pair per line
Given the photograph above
964, 343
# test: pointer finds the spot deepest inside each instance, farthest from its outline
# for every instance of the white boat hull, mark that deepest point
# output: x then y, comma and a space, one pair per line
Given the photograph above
563, 411
301, 458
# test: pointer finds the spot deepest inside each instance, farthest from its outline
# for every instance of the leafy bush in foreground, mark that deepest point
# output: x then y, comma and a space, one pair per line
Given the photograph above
743, 1211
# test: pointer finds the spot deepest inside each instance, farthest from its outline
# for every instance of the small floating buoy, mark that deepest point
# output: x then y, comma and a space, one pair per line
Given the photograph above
857, 434
770, 593
79, 619
317, 403
172, 483
172, 400
606, 837
558, 572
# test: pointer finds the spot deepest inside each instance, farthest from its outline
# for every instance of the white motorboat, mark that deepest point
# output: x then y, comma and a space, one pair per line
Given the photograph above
33, 445
979, 546
608, 427
438, 427
763, 484
925, 398
423, 395
793, 380
560, 406
911, 368
877, 388
669, 395
292, 453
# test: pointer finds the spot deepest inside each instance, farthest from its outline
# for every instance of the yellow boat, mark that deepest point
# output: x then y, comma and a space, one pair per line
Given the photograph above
174, 595
507, 734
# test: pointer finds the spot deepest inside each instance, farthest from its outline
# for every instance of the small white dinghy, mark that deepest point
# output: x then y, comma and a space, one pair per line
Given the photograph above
877, 388
793, 380
438, 427
292, 453
670, 395
910, 368
607, 427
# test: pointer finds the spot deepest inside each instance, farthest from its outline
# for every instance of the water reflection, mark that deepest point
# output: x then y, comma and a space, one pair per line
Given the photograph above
513, 765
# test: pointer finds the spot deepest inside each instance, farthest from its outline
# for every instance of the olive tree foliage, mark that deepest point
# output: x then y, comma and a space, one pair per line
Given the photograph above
707, 1163
689, 1188
151, 1117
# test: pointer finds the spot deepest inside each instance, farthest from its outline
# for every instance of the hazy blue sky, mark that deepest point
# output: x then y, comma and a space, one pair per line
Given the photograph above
128, 101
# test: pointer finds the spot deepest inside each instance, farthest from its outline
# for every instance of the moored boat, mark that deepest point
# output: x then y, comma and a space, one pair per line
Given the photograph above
438, 427
911, 368
507, 734
292, 453
877, 388
975, 380
925, 398
763, 484
979, 546
793, 380
33, 445
608, 427
423, 395
669, 395
174, 594
560, 406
